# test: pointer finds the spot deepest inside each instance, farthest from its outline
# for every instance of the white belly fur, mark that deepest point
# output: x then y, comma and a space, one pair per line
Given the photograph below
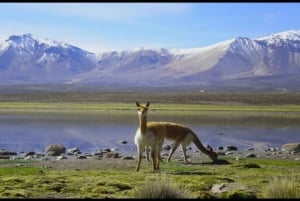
147, 139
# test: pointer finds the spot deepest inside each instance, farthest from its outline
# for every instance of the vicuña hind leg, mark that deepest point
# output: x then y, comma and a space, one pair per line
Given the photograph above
183, 148
147, 150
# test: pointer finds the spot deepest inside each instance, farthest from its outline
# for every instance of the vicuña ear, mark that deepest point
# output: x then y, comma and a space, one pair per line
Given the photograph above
148, 103
137, 103
210, 149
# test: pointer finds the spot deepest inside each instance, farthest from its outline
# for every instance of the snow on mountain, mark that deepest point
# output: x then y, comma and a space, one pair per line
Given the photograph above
129, 61
283, 52
242, 59
3, 47
278, 38
31, 59
26, 58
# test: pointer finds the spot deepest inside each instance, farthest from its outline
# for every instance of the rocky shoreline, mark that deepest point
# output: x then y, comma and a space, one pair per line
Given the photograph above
57, 156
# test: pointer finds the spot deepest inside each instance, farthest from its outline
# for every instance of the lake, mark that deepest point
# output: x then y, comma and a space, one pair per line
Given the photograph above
24, 132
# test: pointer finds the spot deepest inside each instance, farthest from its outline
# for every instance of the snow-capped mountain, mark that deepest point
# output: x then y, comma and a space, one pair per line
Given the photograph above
29, 59
268, 62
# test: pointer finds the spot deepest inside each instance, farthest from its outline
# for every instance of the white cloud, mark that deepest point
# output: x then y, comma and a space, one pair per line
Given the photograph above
106, 11
269, 16
77, 33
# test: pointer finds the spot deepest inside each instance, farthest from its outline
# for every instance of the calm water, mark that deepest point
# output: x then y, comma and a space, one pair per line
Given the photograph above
90, 132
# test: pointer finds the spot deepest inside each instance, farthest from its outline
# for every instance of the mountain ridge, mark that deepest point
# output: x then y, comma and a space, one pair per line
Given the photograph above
27, 59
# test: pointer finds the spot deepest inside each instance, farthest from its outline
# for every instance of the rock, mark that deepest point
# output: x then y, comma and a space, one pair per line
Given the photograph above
273, 149
81, 157
228, 153
165, 154
127, 158
73, 151
104, 150
97, 157
250, 155
225, 187
111, 155
231, 148
166, 147
31, 153
220, 148
61, 157
98, 154
123, 142
55, 150
30, 157
232, 190
4, 157
4, 152
39, 155
291, 147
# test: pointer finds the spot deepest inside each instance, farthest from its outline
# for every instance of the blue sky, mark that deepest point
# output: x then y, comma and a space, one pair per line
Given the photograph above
99, 27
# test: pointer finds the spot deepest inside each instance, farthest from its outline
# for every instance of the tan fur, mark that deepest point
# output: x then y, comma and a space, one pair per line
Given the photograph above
183, 136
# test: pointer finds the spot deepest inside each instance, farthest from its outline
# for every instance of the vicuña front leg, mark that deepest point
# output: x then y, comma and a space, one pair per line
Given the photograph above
154, 161
139, 159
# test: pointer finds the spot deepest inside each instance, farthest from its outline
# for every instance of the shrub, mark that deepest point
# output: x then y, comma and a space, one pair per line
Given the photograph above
283, 187
160, 190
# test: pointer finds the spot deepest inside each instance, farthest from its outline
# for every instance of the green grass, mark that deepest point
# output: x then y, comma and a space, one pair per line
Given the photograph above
154, 96
112, 181
96, 107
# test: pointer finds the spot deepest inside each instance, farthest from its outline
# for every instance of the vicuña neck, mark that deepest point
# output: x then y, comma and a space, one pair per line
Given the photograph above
143, 123
200, 146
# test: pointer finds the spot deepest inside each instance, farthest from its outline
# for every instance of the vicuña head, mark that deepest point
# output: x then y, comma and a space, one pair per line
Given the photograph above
211, 154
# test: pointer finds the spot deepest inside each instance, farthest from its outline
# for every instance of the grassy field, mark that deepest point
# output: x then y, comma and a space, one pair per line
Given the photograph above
184, 101
94, 107
114, 180
268, 98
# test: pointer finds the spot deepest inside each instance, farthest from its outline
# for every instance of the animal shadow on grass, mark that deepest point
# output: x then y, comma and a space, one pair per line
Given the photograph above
190, 173
217, 162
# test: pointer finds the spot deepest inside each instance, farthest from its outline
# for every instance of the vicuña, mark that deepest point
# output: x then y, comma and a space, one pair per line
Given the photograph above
152, 135
148, 136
